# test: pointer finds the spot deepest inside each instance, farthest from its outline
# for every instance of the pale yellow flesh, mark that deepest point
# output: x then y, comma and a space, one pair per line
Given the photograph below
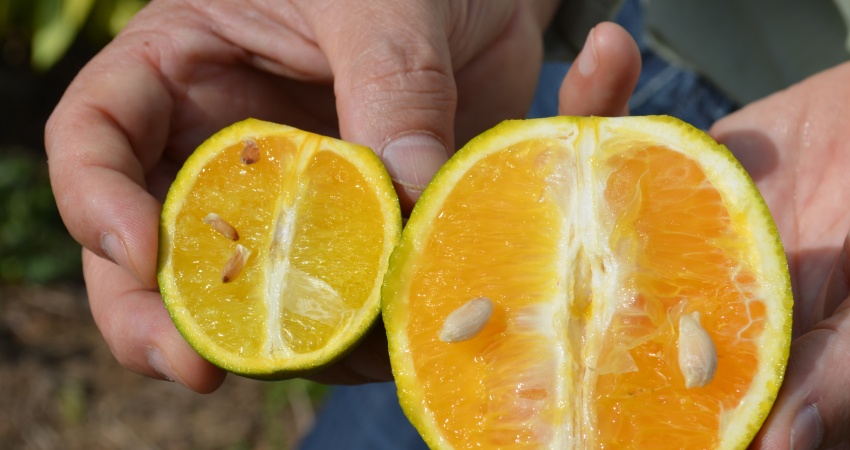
319, 218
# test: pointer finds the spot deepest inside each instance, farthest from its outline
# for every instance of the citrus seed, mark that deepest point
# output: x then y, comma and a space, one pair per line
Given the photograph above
697, 352
467, 321
222, 226
250, 152
235, 263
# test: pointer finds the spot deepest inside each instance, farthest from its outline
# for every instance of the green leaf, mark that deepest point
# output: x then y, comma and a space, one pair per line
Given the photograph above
123, 12
57, 24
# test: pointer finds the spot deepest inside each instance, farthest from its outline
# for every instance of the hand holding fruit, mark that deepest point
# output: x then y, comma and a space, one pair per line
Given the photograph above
429, 76
796, 146
406, 78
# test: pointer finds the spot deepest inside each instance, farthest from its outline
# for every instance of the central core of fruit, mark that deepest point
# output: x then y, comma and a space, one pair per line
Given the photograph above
278, 281
592, 258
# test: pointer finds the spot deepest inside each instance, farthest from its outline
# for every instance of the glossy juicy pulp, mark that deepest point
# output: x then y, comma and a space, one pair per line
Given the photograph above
501, 387
590, 257
687, 254
314, 227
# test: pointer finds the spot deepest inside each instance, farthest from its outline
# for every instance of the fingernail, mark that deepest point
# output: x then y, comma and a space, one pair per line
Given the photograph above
413, 159
160, 364
807, 429
114, 248
587, 58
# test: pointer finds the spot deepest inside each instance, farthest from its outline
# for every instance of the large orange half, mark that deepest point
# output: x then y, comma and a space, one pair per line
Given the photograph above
606, 251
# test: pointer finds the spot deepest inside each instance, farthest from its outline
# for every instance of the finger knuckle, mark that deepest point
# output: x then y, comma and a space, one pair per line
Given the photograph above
393, 66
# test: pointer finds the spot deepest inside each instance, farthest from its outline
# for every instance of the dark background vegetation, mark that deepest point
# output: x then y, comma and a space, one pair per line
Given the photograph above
60, 388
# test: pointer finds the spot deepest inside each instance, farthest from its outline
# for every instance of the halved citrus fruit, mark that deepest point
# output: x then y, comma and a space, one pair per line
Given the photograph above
589, 283
273, 245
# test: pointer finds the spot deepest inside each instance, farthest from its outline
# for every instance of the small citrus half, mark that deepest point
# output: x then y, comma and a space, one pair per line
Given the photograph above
589, 283
273, 245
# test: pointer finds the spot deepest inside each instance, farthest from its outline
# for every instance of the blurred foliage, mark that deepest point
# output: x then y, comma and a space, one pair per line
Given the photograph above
35, 37
34, 245
49, 27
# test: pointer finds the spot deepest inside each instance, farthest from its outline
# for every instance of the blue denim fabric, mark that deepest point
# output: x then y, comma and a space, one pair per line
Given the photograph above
365, 417
368, 417
662, 88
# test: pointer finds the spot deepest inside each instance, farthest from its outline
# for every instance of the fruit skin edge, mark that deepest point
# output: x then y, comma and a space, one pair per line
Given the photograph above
179, 315
414, 407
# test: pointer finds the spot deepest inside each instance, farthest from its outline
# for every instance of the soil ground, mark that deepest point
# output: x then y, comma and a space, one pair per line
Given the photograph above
60, 388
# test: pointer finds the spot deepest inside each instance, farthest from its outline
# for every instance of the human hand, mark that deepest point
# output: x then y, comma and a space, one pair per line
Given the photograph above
796, 146
405, 77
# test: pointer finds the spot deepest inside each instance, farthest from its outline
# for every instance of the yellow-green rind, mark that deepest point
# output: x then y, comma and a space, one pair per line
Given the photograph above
371, 168
509, 132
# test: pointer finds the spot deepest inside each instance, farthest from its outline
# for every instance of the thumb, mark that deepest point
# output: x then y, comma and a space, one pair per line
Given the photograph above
601, 80
394, 85
813, 406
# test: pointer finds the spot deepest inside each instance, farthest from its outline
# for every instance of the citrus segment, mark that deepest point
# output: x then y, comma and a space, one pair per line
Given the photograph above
595, 239
274, 242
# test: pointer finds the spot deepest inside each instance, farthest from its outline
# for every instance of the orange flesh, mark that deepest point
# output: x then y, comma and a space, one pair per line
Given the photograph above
685, 249
677, 251
339, 247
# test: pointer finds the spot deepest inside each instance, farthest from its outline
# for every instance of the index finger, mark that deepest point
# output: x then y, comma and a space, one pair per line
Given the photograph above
105, 134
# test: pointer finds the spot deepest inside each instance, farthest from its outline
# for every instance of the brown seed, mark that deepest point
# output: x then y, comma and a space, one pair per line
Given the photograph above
250, 152
222, 226
467, 321
235, 263
697, 352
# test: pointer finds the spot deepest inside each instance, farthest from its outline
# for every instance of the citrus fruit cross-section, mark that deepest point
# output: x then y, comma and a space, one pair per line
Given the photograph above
589, 283
273, 246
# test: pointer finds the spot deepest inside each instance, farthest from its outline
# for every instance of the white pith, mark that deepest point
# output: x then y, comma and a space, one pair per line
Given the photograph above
277, 275
289, 289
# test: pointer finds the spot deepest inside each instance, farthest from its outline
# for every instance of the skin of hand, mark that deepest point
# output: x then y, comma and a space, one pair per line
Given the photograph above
795, 144
408, 78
